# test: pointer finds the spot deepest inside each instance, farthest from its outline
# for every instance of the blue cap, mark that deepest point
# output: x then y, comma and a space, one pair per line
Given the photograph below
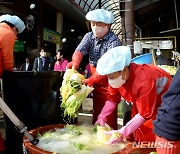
100, 15
15, 20
114, 60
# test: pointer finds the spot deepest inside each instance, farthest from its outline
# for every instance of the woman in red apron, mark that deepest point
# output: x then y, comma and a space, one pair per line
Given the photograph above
142, 85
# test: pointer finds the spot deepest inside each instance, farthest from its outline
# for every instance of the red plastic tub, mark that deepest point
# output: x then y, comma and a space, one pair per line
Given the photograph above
32, 149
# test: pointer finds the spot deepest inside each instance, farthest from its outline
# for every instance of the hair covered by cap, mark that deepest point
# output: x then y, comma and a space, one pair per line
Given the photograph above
15, 20
100, 15
114, 60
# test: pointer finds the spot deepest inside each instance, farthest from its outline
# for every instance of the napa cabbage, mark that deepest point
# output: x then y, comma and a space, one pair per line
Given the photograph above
73, 92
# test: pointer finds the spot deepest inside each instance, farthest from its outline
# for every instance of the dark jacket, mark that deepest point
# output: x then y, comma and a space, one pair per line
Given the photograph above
23, 67
38, 64
167, 123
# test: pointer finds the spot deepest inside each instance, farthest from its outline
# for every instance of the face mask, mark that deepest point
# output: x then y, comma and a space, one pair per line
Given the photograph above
99, 31
116, 83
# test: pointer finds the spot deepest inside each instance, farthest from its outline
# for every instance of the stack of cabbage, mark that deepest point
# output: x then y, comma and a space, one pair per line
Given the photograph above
73, 92
170, 69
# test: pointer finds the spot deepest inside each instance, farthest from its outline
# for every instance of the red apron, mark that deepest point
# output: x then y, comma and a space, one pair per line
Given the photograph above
141, 90
145, 131
165, 146
100, 95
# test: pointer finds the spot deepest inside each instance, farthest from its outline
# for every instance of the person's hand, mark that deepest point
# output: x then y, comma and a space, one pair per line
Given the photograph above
73, 65
130, 127
90, 81
100, 122
76, 59
93, 79
116, 137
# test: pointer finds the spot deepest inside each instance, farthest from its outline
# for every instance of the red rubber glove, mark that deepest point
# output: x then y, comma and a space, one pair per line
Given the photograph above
93, 79
76, 59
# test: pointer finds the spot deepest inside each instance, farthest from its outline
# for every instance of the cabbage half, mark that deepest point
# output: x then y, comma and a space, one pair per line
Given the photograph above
73, 92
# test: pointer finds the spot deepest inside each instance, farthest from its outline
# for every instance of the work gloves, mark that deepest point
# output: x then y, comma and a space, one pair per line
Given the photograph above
76, 59
108, 108
93, 79
126, 130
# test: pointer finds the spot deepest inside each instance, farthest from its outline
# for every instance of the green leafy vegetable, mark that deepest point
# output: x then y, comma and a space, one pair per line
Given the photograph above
95, 129
38, 135
79, 146
73, 92
74, 129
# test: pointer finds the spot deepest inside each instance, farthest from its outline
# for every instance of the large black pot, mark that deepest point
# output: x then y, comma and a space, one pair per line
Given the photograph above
34, 98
